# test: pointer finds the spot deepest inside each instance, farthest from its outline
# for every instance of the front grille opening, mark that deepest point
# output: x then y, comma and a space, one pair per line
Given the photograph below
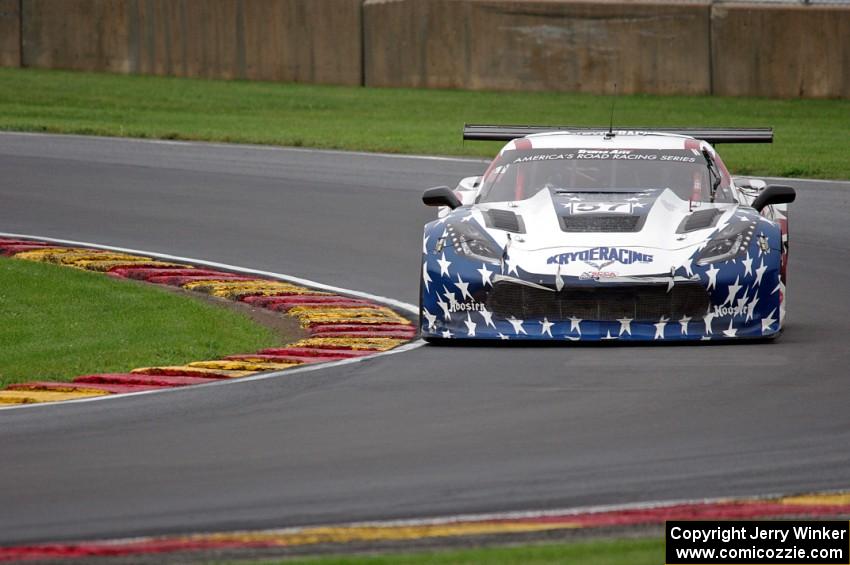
604, 304
600, 223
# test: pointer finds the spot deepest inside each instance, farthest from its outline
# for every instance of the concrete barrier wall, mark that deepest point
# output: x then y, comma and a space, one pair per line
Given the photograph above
645, 46
422, 44
575, 46
287, 40
783, 51
315, 41
10, 33
75, 34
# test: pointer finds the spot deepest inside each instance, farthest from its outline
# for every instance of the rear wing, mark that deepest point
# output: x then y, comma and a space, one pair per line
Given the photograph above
480, 132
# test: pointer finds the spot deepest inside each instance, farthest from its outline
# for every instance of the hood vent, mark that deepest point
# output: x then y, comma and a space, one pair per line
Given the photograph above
699, 220
601, 223
504, 220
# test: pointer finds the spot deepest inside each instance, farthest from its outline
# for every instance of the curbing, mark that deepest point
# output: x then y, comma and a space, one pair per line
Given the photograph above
344, 536
344, 326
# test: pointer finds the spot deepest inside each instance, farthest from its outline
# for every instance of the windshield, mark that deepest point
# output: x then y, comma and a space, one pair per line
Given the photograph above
520, 174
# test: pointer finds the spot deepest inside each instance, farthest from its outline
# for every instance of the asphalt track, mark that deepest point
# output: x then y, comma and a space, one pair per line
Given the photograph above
427, 432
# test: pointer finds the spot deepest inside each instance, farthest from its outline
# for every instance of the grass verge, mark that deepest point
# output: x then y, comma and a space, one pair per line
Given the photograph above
811, 135
597, 552
57, 323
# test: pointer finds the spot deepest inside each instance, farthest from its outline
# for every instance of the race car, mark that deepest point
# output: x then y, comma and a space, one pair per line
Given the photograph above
586, 234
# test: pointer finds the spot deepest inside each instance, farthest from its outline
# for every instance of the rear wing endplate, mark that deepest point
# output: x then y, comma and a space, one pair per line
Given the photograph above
481, 132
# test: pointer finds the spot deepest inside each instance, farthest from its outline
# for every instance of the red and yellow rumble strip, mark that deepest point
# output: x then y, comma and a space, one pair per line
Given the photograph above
339, 327
809, 505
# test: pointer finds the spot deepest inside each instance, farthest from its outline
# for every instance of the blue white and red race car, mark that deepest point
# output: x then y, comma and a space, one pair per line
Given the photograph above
576, 234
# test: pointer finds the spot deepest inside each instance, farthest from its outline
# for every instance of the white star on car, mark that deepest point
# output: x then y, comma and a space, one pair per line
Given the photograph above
748, 265
625, 325
517, 324
684, 323
425, 277
712, 276
444, 265
485, 275
450, 296
742, 303
463, 287
760, 273
659, 327
708, 318
751, 307
432, 319
470, 325
575, 324
547, 327
767, 322
512, 266
447, 315
734, 289
488, 317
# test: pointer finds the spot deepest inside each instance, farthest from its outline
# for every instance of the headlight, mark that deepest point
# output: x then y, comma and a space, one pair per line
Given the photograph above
727, 243
468, 239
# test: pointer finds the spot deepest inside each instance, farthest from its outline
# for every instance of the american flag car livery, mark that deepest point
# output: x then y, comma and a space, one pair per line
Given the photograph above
594, 235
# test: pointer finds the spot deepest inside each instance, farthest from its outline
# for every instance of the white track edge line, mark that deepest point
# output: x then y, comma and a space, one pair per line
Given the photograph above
479, 517
250, 146
410, 308
593, 509
330, 151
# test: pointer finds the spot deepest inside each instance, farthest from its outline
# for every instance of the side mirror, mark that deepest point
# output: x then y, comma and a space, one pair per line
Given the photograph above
441, 196
774, 194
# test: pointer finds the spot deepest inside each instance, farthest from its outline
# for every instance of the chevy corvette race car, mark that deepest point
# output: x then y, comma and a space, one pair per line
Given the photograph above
579, 234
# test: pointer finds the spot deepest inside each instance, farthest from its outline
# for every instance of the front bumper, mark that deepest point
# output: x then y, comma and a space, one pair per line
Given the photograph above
733, 300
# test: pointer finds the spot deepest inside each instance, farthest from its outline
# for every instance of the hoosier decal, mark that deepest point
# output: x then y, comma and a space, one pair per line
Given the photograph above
473, 306
730, 311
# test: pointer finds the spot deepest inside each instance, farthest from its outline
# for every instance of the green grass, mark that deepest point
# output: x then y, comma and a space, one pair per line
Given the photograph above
597, 552
811, 135
57, 323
